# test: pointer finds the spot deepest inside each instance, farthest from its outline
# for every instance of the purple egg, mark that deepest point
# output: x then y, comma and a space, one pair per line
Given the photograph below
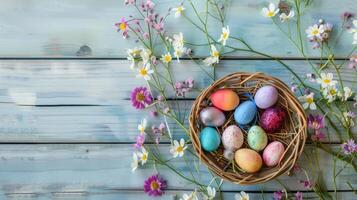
266, 96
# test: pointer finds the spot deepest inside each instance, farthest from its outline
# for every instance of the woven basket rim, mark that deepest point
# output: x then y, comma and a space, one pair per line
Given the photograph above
296, 140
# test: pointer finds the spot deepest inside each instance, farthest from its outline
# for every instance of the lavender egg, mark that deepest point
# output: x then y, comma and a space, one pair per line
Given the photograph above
266, 96
232, 138
212, 116
273, 153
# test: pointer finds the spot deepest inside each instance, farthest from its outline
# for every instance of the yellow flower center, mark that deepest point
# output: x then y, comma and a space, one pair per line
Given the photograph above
315, 125
270, 14
140, 96
327, 81
167, 58
332, 92
143, 72
225, 35
144, 157
309, 100
315, 32
179, 149
215, 54
122, 26
179, 9
154, 185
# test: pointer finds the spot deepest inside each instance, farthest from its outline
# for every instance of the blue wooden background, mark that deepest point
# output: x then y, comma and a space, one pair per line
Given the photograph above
65, 125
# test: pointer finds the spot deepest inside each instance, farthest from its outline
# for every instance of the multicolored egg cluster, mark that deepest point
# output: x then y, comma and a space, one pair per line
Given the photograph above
254, 119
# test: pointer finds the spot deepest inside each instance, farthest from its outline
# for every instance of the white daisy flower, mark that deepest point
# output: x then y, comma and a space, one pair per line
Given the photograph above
135, 162
242, 196
192, 196
224, 36
211, 193
178, 11
330, 93
178, 148
145, 55
284, 17
142, 126
166, 58
178, 45
270, 11
145, 72
348, 119
347, 93
308, 101
326, 80
315, 31
178, 40
214, 58
143, 155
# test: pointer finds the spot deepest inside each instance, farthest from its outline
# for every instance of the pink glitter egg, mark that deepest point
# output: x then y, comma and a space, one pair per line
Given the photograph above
273, 153
272, 119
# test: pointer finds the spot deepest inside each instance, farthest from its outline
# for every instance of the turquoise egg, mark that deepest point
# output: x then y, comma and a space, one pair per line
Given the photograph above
209, 139
245, 113
257, 138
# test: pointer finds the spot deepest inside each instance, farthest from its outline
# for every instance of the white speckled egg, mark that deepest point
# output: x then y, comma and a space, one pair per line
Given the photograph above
266, 96
212, 116
232, 138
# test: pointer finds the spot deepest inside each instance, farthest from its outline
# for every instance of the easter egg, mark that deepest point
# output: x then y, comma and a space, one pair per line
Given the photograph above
245, 112
232, 138
257, 138
209, 139
273, 153
272, 119
266, 96
225, 99
248, 160
212, 116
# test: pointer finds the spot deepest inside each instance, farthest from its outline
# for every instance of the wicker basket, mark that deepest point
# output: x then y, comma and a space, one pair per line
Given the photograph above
292, 135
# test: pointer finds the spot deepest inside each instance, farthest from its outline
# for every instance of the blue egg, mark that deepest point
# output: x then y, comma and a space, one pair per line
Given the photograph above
245, 113
210, 139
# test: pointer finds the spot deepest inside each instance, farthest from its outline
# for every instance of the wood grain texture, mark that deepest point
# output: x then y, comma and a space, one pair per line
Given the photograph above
32, 28
93, 124
79, 168
134, 195
108, 82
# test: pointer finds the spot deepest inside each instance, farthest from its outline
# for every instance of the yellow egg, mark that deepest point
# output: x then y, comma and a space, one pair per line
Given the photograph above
248, 160
225, 99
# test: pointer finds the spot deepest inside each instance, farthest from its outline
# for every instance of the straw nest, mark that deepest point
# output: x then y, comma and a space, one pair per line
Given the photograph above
292, 135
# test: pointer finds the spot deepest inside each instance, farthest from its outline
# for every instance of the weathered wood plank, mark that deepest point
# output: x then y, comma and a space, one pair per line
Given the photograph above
87, 167
59, 28
134, 195
94, 124
107, 82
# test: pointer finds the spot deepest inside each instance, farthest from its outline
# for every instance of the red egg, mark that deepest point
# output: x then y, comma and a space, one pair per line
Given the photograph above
272, 119
225, 99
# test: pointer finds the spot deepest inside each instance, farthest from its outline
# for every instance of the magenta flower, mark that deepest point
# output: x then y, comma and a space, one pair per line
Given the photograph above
139, 141
306, 183
298, 196
316, 122
353, 62
123, 26
349, 147
140, 97
183, 87
158, 132
318, 136
278, 195
155, 185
